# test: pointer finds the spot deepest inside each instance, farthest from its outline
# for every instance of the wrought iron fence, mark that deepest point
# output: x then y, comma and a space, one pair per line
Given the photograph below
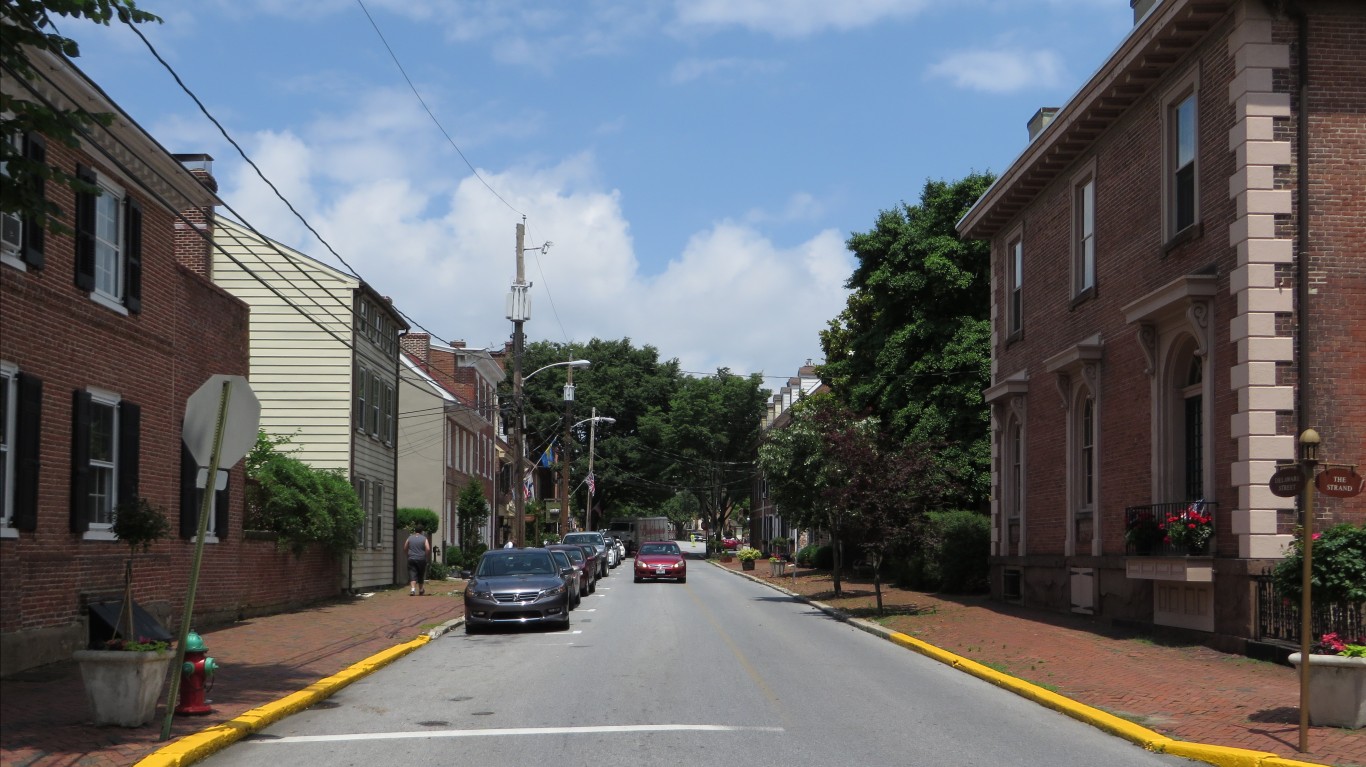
1182, 529
1278, 618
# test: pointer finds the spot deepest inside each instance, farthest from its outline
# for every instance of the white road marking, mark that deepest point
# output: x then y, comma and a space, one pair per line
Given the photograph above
598, 730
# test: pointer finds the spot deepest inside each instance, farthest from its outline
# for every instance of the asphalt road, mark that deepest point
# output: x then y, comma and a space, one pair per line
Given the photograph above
717, 671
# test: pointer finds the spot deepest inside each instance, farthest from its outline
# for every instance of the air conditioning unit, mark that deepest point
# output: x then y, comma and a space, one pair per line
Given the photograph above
11, 232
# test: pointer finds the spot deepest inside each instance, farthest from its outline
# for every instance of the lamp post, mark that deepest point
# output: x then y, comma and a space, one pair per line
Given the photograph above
519, 447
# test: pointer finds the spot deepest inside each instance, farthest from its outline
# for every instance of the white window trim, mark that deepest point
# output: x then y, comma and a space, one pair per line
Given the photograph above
14, 256
211, 534
9, 378
116, 193
1187, 85
1087, 175
103, 531
1077, 375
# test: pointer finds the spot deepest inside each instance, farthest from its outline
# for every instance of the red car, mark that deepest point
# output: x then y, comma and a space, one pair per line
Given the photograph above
660, 559
588, 582
731, 543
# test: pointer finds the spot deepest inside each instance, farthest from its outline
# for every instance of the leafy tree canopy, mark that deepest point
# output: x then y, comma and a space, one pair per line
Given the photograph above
911, 346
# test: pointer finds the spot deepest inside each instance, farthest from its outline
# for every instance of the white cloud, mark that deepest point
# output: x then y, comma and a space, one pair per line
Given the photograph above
688, 70
793, 18
1000, 71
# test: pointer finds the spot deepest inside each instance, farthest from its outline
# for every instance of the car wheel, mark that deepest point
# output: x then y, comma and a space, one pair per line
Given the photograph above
684, 579
639, 579
470, 629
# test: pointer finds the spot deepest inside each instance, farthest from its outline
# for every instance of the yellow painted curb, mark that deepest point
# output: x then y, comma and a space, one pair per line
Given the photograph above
199, 745
1224, 756
1280, 761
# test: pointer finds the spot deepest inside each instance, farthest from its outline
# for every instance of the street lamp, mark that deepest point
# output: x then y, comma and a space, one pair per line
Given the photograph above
519, 448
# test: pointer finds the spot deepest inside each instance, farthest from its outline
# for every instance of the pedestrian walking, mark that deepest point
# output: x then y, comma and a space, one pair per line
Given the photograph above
419, 550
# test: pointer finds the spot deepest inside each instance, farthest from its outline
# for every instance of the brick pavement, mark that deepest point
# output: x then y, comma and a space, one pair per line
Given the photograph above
44, 719
1184, 691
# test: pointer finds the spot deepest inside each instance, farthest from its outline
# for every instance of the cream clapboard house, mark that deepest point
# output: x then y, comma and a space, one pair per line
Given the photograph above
324, 363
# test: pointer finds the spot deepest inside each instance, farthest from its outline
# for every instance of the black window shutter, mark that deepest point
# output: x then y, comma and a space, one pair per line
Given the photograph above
189, 499
35, 148
129, 438
80, 461
133, 249
85, 231
27, 442
220, 510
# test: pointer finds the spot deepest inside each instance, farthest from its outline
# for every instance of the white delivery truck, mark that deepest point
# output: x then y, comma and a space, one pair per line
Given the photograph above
633, 530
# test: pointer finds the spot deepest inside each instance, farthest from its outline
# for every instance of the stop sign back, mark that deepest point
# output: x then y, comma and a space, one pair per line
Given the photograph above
240, 423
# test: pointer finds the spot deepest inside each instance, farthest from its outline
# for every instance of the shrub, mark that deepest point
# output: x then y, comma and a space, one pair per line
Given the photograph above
747, 554
807, 556
416, 520
1338, 573
437, 571
952, 555
299, 503
824, 558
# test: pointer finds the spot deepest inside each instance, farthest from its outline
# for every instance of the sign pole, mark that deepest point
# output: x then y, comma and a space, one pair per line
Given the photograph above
198, 556
1309, 444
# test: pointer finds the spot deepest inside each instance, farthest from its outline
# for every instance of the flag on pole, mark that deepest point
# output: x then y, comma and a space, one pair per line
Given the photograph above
547, 458
530, 486
591, 485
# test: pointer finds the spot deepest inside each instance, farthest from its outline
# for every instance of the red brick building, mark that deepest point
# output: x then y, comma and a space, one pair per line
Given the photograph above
1178, 292
104, 334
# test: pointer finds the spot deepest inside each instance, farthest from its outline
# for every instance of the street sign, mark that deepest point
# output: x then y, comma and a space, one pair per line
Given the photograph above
1339, 482
240, 423
1287, 482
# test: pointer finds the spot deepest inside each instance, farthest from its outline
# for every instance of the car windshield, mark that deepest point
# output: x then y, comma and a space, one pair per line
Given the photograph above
516, 562
659, 548
583, 538
561, 558
575, 554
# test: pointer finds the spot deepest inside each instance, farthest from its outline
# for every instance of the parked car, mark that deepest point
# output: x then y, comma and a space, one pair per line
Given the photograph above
660, 559
516, 586
615, 546
596, 540
571, 574
731, 544
582, 567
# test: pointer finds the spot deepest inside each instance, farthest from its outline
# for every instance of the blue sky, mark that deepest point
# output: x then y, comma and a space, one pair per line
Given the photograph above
697, 164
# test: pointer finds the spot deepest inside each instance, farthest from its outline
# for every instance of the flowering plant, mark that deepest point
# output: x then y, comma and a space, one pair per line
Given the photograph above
1191, 528
1332, 644
747, 554
141, 644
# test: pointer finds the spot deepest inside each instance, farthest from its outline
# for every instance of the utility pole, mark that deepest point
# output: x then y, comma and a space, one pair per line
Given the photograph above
519, 311
592, 480
564, 452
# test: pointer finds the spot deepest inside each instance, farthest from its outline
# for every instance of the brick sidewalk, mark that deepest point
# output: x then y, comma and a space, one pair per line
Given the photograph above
1188, 692
44, 719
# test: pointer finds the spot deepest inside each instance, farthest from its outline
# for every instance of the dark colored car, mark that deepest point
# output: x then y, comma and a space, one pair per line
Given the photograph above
660, 559
572, 576
515, 587
598, 543
579, 558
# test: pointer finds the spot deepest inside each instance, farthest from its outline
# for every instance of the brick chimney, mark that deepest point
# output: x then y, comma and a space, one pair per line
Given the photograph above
194, 241
418, 345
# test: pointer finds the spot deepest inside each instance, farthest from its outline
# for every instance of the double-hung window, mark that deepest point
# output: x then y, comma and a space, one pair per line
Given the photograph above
104, 459
1015, 287
21, 238
1181, 153
1084, 233
108, 243
8, 395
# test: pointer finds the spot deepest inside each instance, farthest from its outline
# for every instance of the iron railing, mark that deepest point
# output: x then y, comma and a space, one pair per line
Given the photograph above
1147, 529
1278, 618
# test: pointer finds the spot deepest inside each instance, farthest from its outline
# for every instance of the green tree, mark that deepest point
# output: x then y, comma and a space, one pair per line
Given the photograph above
625, 383
710, 433
472, 512
911, 345
28, 26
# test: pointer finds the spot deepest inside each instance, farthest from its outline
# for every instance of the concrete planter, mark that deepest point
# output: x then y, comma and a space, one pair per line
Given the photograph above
1337, 690
122, 687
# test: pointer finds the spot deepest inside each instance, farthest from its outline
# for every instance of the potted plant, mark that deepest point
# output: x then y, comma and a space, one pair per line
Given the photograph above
124, 678
1142, 532
775, 566
1337, 667
1337, 682
747, 556
1190, 530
